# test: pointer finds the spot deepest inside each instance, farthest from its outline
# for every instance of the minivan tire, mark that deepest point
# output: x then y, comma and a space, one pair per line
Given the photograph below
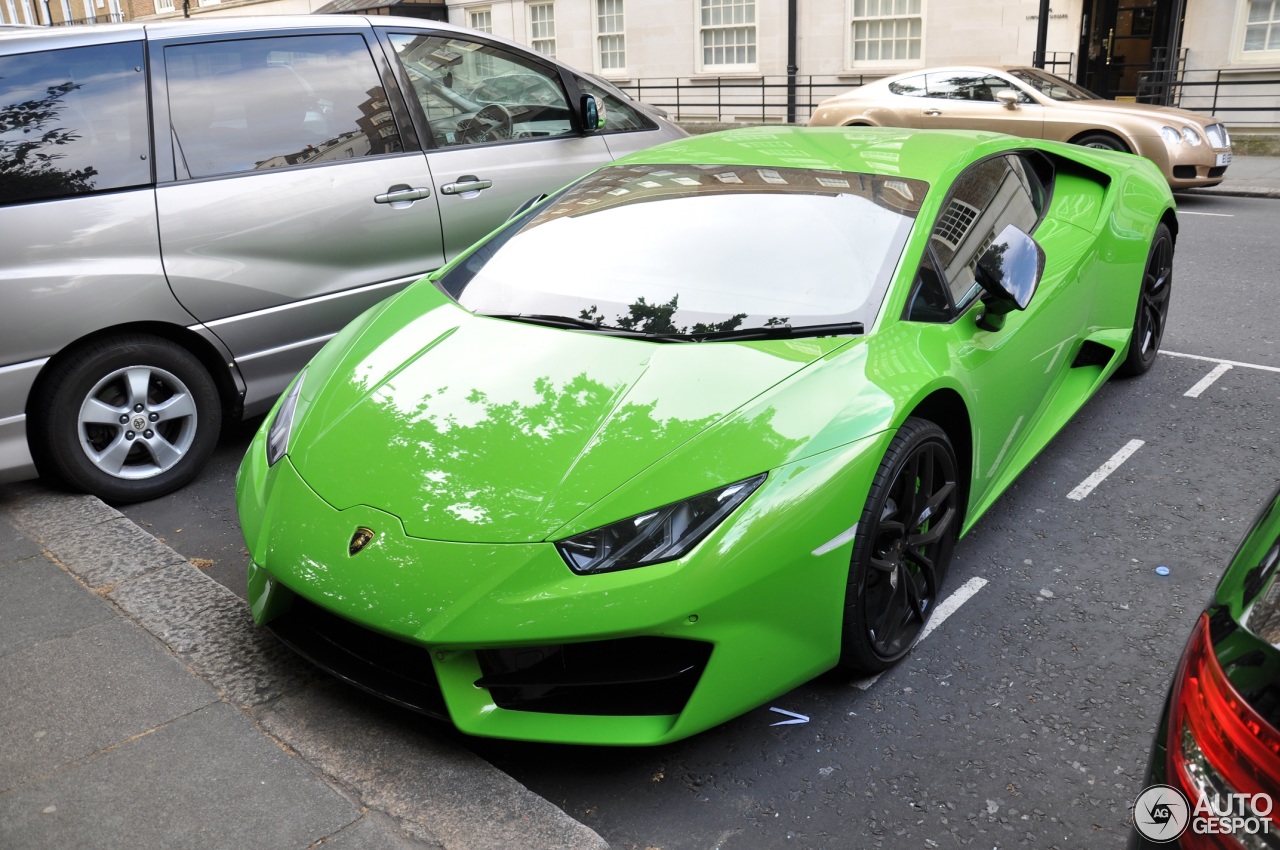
129, 418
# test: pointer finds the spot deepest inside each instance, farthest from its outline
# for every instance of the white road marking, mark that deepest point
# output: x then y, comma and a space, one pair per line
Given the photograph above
1220, 360
1207, 381
948, 607
1100, 475
795, 718
1215, 215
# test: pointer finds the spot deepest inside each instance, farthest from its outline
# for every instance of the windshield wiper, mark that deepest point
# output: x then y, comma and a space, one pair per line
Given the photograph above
767, 332
770, 332
575, 324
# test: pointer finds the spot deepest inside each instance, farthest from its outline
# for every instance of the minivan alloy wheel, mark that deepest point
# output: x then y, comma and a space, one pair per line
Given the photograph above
127, 419
137, 422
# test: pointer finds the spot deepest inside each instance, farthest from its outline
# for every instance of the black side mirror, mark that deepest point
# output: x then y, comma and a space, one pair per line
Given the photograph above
592, 113
1009, 272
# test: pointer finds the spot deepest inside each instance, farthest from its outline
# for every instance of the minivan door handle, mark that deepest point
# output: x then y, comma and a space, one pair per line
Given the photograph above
402, 194
467, 183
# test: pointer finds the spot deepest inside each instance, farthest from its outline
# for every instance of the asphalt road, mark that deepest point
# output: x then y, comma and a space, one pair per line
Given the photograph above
1025, 718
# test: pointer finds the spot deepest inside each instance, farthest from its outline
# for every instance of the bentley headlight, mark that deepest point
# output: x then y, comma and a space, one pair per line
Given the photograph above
1171, 137
1190, 136
659, 535
282, 425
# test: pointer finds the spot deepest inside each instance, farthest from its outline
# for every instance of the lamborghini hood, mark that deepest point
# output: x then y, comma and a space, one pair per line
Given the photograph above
475, 429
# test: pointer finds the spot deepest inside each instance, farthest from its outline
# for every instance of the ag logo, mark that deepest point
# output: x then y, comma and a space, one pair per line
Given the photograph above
1161, 813
362, 538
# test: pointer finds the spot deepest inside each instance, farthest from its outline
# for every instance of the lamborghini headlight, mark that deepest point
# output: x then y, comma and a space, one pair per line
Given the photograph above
659, 535
282, 424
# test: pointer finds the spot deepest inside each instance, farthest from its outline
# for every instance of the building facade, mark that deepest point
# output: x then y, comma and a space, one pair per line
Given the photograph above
1109, 46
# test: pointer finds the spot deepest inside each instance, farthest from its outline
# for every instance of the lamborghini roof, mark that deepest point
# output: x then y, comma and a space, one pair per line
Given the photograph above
929, 155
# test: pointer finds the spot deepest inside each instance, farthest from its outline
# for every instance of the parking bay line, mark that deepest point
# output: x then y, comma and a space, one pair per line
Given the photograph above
1207, 381
945, 609
1100, 474
1239, 363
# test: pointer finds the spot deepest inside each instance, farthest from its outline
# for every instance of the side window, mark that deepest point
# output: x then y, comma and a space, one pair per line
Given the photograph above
966, 87
475, 93
910, 87
931, 301
255, 104
984, 199
73, 121
619, 115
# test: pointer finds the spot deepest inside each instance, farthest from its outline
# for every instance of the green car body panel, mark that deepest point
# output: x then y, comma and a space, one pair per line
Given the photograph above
470, 444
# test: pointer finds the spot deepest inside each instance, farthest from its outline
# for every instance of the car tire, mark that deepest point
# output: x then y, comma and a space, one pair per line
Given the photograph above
1102, 141
1153, 305
127, 419
902, 548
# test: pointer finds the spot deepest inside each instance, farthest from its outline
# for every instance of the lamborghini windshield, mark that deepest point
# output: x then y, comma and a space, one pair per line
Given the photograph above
692, 250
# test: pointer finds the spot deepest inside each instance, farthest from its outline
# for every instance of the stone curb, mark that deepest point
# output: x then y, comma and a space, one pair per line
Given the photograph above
434, 790
1237, 191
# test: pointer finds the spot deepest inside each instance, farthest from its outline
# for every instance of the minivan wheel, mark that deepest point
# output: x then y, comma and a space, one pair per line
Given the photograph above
127, 419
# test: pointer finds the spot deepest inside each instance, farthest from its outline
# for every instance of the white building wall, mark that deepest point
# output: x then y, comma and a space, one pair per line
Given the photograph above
663, 41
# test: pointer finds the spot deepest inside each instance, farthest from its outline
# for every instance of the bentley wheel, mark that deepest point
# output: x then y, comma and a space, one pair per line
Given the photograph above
1103, 141
902, 549
127, 419
1153, 305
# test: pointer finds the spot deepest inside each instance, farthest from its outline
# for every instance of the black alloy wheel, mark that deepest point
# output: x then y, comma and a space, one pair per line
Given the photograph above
902, 548
1153, 305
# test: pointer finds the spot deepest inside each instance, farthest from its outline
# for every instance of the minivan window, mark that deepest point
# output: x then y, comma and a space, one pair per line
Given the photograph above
619, 116
254, 104
474, 93
73, 121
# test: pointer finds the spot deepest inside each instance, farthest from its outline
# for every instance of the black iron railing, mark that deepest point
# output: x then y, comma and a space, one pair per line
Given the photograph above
109, 18
765, 100
1241, 99
777, 99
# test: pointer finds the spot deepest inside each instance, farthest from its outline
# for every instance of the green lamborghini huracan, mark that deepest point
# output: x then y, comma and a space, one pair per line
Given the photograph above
700, 426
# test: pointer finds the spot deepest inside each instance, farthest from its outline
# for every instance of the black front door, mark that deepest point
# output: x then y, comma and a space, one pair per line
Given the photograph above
1119, 39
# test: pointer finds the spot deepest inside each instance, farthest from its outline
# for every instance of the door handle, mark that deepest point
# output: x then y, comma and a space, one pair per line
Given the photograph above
469, 183
402, 194
932, 111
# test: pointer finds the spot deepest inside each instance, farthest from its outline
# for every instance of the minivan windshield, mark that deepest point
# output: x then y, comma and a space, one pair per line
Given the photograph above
689, 250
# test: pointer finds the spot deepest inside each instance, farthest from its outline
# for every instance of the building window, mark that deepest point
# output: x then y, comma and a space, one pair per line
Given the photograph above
728, 30
954, 223
886, 31
1262, 29
164, 6
542, 28
611, 40
481, 19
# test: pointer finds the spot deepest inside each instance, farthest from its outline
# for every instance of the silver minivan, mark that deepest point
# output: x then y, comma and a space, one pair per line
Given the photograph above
189, 210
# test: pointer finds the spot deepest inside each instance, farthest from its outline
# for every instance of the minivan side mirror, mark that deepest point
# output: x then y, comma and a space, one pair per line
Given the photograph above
1008, 97
1008, 272
592, 113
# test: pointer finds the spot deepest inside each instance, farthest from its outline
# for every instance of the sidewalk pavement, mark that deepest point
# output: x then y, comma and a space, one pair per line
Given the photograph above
1248, 177
140, 708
